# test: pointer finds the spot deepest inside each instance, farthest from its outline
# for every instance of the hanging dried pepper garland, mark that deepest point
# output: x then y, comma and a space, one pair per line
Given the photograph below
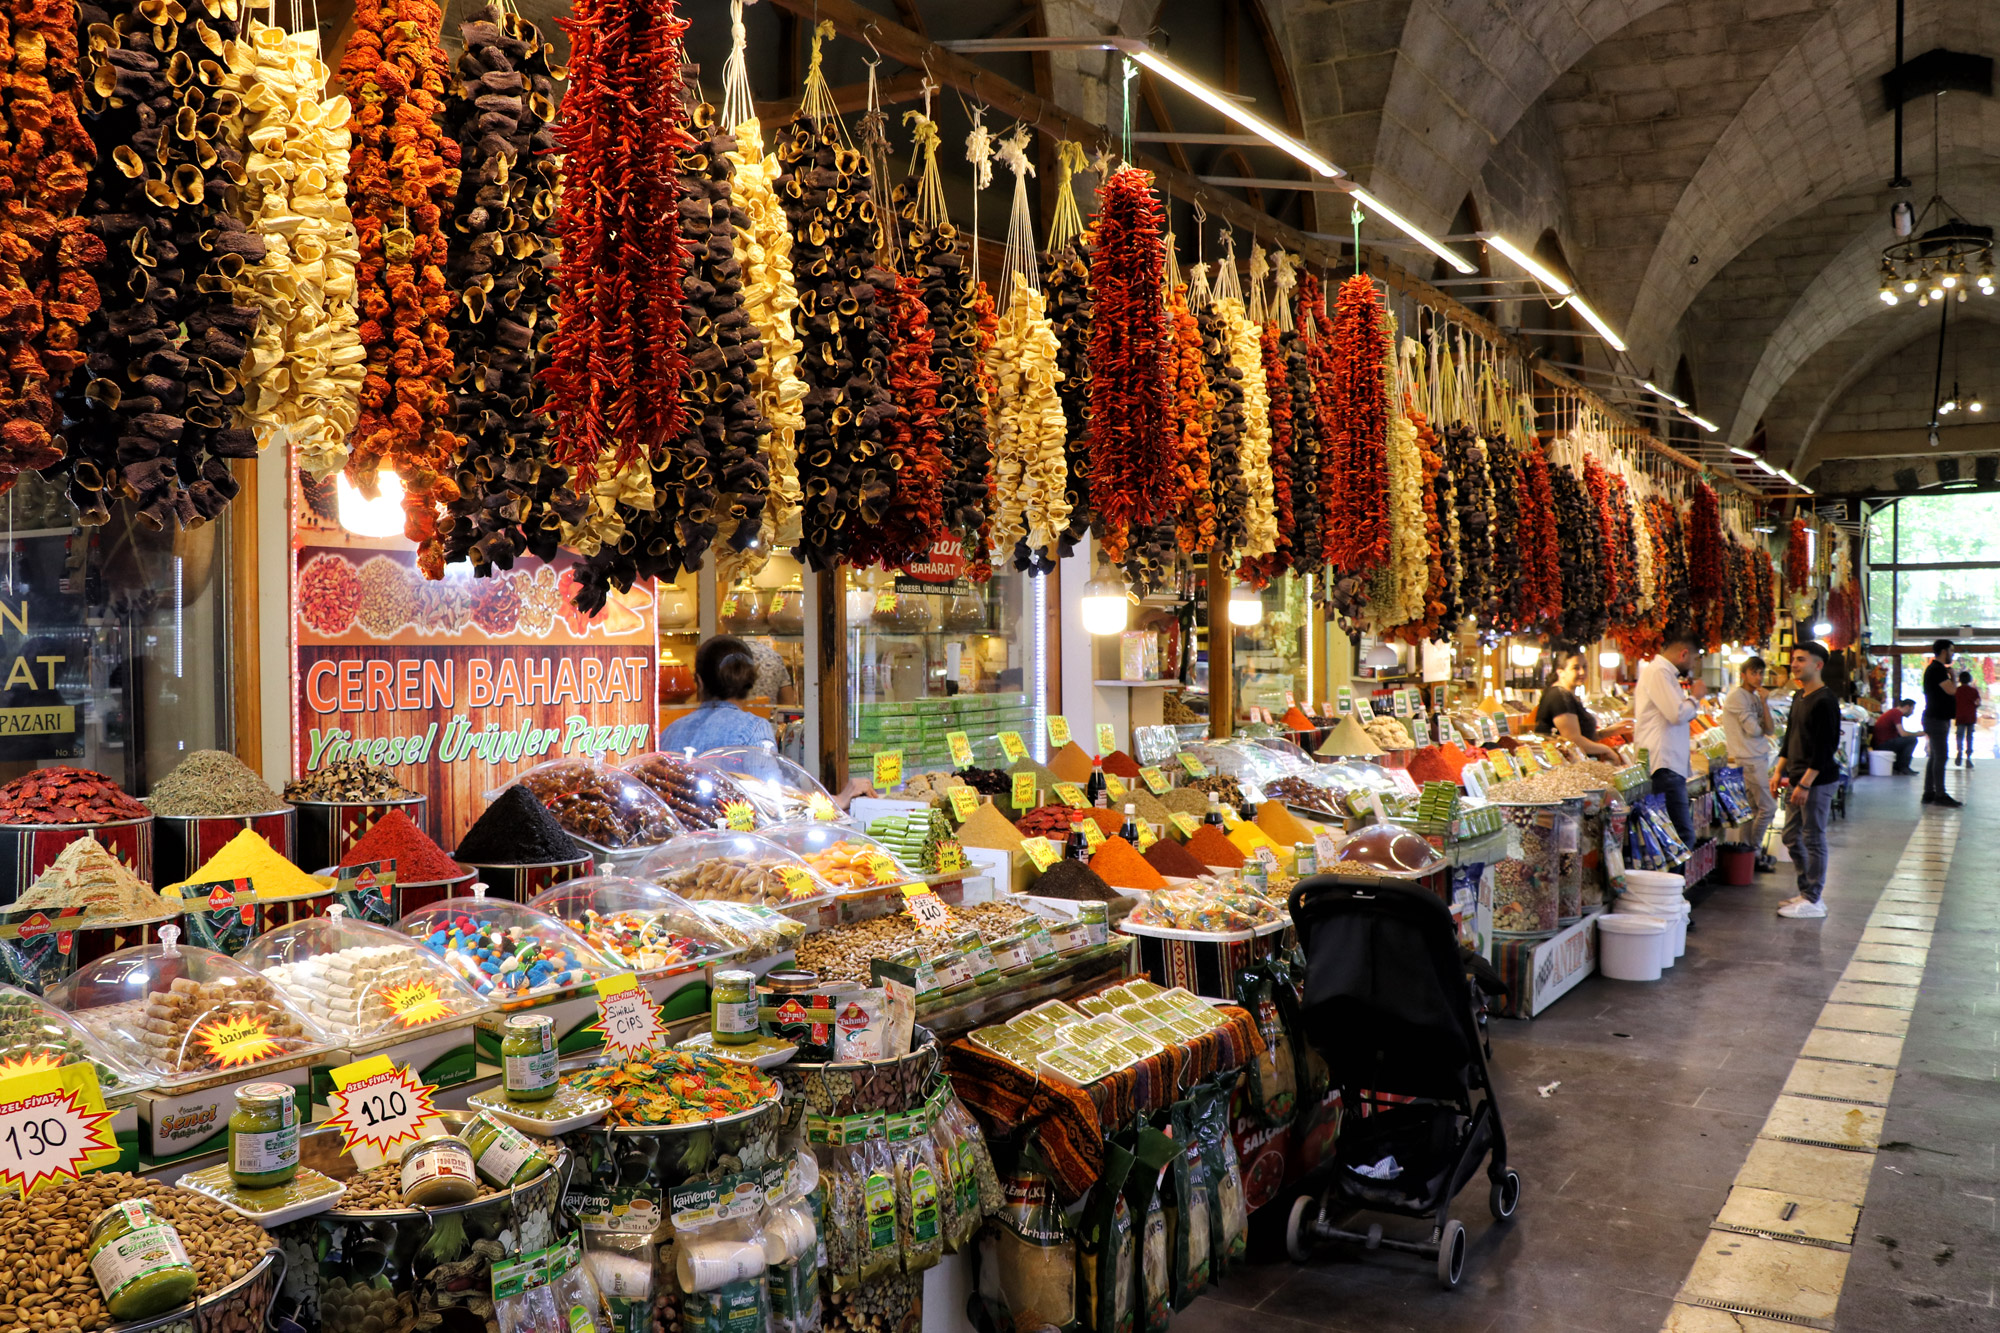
157, 412
1706, 572
1766, 618
1541, 545
1582, 560
403, 175
1465, 459
618, 365
984, 321
1132, 441
913, 522
1620, 579
1674, 605
1194, 413
47, 254
1354, 474
502, 315
1798, 557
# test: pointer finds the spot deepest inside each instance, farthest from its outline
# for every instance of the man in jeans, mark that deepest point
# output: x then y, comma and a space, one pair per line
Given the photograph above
1746, 722
1661, 712
1808, 770
1940, 711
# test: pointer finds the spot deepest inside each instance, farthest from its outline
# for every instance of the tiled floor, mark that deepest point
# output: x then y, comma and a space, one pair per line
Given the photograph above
1673, 1094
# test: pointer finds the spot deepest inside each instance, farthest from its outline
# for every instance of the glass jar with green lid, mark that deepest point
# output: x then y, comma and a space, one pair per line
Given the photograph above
971, 945
502, 1154
263, 1137
528, 1058
732, 1008
138, 1261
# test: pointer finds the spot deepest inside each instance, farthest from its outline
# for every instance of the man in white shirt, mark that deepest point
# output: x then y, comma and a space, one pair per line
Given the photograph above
1662, 710
1746, 722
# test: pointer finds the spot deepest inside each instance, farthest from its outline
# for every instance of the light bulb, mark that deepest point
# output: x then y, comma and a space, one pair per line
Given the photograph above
1936, 293
1963, 293
1105, 610
380, 517
1975, 406
1246, 607
1608, 659
1924, 299
1888, 297
1948, 281
1822, 628
1910, 286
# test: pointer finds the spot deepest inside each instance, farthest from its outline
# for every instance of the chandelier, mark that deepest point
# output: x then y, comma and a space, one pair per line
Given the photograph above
1951, 258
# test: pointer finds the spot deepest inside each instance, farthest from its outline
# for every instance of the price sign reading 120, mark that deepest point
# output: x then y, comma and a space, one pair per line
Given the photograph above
380, 1106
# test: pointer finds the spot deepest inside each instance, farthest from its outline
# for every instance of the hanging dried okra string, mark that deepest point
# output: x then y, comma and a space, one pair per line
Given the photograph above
1306, 540
1067, 286
846, 312
503, 317
156, 411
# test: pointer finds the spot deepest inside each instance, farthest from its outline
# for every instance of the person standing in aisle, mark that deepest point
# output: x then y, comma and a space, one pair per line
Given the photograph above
1746, 722
1967, 715
1807, 772
1940, 711
1662, 709
1561, 713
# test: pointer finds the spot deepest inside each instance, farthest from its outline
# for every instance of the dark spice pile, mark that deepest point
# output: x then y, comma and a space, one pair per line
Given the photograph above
1075, 881
347, 780
61, 795
516, 829
1120, 764
394, 838
1173, 860
986, 781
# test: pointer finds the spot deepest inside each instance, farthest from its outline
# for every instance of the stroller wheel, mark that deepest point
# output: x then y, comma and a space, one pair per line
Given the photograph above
1451, 1253
1298, 1244
1505, 1196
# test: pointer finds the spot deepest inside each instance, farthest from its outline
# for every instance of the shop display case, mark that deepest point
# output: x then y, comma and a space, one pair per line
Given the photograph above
610, 811
735, 867
653, 931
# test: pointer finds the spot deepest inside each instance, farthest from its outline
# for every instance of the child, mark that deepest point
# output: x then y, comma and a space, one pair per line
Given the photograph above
1967, 716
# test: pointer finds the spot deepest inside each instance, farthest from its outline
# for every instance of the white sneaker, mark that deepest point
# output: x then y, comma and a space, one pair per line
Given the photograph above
1803, 910
1792, 901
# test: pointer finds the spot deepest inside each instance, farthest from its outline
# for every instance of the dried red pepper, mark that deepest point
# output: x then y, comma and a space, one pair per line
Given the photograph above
1354, 472
63, 795
1706, 573
1194, 413
1798, 557
1133, 443
913, 521
1542, 590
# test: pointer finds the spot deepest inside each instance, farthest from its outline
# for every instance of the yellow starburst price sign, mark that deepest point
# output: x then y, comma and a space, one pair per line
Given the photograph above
888, 770
1107, 738
237, 1039
627, 1016
416, 1003
1058, 731
1013, 746
1155, 780
964, 800
53, 1126
961, 748
379, 1105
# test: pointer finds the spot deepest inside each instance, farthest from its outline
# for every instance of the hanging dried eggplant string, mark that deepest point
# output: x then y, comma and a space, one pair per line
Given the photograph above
1067, 282
616, 371
1306, 537
1030, 504
1227, 486
1194, 415
1584, 601
872, 137
847, 306
48, 255
1245, 346
156, 410
502, 317
306, 360
1279, 391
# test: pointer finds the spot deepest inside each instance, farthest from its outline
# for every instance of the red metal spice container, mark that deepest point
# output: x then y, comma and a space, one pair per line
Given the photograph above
182, 844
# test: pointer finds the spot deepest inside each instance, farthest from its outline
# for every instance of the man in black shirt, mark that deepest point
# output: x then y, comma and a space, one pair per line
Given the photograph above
1561, 713
1808, 764
1940, 708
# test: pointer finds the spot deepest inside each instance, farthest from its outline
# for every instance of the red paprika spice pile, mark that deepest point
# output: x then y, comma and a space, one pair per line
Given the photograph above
394, 837
62, 795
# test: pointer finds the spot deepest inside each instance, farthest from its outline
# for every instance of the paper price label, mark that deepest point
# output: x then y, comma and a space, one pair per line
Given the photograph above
1013, 746
883, 868
798, 884
739, 816
1400, 701
380, 1105
627, 1016
1093, 833
1115, 785
950, 857
1345, 694
1195, 768
1185, 822
53, 1126
964, 800
1024, 791
1405, 784
1070, 795
1058, 731
1326, 848
925, 906
1107, 738
1291, 700
1154, 780
1041, 852
1269, 858
888, 770
822, 807
1146, 835
961, 748
885, 602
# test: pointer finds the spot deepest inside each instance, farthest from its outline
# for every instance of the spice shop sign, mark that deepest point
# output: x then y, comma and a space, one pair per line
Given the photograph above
460, 683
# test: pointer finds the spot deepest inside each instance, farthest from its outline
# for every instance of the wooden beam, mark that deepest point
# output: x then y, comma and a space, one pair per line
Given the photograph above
832, 670
849, 97
1221, 649
246, 713
1156, 106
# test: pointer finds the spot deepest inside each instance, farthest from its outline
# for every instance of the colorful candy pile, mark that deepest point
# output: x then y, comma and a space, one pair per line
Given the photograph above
643, 940
674, 1088
505, 958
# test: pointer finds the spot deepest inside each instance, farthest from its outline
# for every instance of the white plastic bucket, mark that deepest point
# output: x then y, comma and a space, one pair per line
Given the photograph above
1673, 922
1655, 879
1629, 946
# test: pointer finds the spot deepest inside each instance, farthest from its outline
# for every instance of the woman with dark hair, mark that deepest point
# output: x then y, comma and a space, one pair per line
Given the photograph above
726, 673
1561, 713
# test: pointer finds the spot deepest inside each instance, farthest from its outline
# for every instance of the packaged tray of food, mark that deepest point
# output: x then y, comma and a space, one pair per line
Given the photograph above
761, 931
716, 865
639, 925
658, 1087
361, 983
606, 808
506, 951
846, 860
307, 1193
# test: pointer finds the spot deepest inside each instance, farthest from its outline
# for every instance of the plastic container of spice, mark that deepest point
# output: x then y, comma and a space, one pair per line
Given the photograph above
438, 1171
365, 985
636, 924
138, 1261
507, 952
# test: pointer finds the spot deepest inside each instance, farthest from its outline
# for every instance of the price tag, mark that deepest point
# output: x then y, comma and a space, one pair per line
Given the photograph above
1404, 783
964, 800
950, 857
1195, 768
1058, 731
1107, 738
961, 748
739, 816
1474, 782
798, 883
888, 770
1400, 701
1041, 852
1375, 804
627, 1016
885, 602
381, 1106
1146, 835
1345, 693
53, 1126
1024, 791
1070, 795
1093, 833
883, 868
1115, 785
1013, 746
822, 807
925, 906
728, 611
1269, 857
1326, 848
1291, 700
1186, 823
1155, 780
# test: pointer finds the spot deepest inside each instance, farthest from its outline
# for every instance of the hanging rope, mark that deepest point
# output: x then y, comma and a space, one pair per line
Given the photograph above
738, 105
931, 209
979, 152
874, 131
1228, 284
1260, 269
1284, 283
1068, 223
1019, 266
816, 101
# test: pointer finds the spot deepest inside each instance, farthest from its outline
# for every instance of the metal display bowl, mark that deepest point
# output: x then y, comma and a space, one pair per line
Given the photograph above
243, 1306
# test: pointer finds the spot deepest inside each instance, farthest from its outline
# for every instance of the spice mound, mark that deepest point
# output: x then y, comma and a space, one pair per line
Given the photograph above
60, 795
1120, 764
674, 1088
1119, 864
517, 829
45, 1276
347, 780
1074, 880
248, 856
1211, 847
1173, 860
418, 859
86, 875
380, 1190
212, 782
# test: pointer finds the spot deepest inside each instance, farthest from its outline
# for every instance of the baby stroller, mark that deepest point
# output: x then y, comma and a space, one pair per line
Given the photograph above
1388, 1004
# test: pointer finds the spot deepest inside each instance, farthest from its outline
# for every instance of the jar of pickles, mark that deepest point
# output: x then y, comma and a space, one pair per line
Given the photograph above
138, 1261
528, 1058
971, 946
263, 1137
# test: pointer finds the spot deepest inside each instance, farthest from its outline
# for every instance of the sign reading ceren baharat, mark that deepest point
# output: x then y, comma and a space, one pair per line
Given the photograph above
458, 684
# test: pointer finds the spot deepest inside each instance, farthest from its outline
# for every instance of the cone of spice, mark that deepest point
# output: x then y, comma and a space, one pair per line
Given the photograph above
247, 856
1170, 858
1076, 881
1120, 764
1296, 720
212, 782
1119, 864
418, 859
1281, 824
1349, 737
61, 795
516, 830
86, 875
988, 828
1211, 847
1109, 820
1071, 764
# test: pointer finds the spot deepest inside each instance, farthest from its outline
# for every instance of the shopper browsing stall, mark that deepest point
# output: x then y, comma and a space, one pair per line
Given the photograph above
1967, 716
1561, 712
1940, 710
1808, 770
1665, 701
1746, 724
1887, 734
726, 672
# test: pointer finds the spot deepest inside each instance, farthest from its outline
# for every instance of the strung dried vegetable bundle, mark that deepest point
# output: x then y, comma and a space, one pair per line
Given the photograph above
48, 255
913, 521
1581, 564
306, 360
1354, 470
1030, 504
1507, 577
1132, 442
1733, 626
1445, 589
619, 362
1419, 572
1397, 592
1262, 569
501, 256
1542, 588
764, 259
1765, 612
1308, 539
1465, 461
156, 415
1625, 530
403, 176
1227, 484
1067, 288
1674, 607
1615, 570
1706, 572
1194, 414
1798, 557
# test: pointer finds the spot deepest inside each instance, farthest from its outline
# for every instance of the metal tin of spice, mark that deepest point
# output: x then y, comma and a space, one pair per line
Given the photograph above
436, 1171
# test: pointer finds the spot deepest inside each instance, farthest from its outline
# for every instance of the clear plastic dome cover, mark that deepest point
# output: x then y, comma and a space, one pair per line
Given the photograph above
606, 808
1389, 850
734, 867
757, 931
359, 981
182, 1013
35, 1035
789, 792
841, 855
643, 926
504, 950
702, 794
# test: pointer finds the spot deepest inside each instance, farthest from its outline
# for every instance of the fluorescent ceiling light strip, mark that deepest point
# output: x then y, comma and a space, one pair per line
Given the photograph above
1592, 318
1786, 473
1256, 124
1677, 402
1536, 269
1741, 453
1700, 421
1404, 225
1764, 467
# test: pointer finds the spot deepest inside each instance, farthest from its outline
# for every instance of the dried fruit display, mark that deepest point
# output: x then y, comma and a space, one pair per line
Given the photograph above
1194, 413
913, 521
63, 795
1132, 439
619, 360
1542, 588
502, 312
306, 360
49, 256
1278, 389
1584, 597
1030, 500
155, 410
403, 174
1354, 476
1705, 557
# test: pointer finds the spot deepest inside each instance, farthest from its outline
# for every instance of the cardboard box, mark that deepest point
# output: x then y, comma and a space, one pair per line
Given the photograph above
1540, 972
174, 1126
